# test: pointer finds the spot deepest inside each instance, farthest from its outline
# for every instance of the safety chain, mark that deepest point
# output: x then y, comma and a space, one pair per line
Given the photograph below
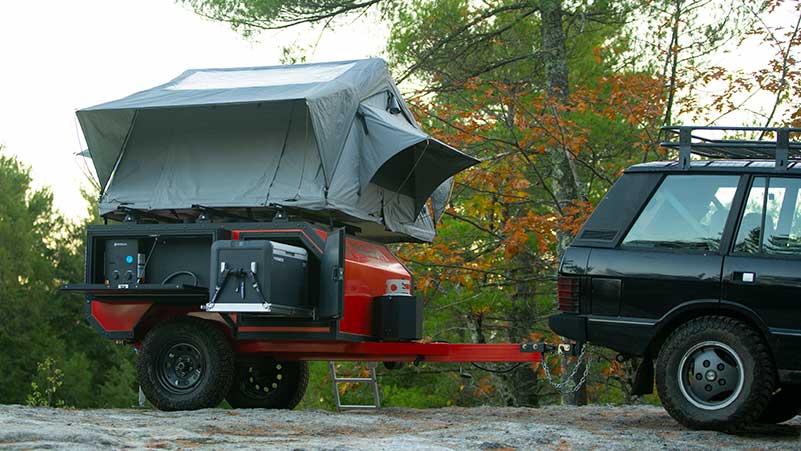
561, 386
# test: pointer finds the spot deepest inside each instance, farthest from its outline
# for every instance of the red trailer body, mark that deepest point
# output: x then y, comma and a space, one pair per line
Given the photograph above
129, 314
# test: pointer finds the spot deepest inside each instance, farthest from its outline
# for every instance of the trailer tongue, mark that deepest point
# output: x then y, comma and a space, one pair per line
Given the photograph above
253, 206
393, 351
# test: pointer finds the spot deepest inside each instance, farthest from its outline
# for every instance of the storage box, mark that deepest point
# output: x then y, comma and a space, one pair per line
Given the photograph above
280, 270
398, 318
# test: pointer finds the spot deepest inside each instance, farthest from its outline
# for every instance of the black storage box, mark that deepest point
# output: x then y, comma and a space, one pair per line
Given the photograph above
278, 269
398, 318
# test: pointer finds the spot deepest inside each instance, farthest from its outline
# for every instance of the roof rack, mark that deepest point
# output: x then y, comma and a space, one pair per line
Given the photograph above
781, 148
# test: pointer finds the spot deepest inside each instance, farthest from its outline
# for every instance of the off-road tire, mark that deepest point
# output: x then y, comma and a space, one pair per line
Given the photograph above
758, 379
211, 355
784, 405
263, 383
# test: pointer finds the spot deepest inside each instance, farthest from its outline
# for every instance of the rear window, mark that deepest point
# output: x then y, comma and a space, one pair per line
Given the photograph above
686, 212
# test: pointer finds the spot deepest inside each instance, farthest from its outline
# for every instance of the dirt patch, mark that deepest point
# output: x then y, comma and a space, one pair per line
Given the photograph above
484, 428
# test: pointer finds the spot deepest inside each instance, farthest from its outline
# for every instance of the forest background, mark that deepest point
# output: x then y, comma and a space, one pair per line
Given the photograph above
557, 97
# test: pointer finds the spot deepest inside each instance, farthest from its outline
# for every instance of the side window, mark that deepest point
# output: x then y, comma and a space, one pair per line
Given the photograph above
771, 222
686, 212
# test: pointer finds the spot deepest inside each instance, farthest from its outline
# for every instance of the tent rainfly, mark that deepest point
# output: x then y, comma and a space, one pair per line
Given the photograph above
330, 139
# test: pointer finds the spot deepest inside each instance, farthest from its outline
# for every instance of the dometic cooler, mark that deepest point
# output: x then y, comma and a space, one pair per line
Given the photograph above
258, 276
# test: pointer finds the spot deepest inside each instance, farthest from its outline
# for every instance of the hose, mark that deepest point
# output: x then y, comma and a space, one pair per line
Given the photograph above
180, 273
505, 370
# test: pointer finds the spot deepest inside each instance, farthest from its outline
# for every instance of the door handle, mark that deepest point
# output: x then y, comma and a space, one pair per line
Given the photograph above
745, 277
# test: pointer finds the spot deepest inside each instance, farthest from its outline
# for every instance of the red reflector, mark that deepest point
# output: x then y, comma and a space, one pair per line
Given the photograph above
567, 289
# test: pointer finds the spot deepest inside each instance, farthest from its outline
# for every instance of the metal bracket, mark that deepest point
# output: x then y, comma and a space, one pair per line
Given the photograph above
570, 349
536, 347
782, 148
685, 146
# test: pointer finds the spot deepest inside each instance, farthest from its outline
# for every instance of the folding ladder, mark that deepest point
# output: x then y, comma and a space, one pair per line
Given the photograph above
335, 380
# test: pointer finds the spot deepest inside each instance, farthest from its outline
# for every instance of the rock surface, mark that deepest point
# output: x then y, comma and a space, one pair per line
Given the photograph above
485, 428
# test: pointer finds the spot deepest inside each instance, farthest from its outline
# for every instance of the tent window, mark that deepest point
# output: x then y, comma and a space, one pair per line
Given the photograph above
260, 78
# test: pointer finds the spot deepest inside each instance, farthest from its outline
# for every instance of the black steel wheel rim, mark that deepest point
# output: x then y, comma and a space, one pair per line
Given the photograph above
261, 380
180, 368
711, 375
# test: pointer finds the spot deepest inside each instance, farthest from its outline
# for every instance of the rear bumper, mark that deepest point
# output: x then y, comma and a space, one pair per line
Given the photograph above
622, 336
568, 325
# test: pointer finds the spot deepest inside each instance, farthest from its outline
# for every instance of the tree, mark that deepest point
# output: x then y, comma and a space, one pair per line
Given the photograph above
248, 17
25, 279
41, 326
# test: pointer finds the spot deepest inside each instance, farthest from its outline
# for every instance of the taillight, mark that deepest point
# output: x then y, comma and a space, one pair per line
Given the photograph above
568, 293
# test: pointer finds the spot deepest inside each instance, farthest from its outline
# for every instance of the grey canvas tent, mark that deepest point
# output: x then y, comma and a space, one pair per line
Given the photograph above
333, 141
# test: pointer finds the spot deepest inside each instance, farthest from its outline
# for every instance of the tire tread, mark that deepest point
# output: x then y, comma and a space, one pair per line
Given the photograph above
213, 393
763, 385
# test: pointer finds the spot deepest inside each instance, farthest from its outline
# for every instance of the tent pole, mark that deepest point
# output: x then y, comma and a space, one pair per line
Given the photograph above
122, 152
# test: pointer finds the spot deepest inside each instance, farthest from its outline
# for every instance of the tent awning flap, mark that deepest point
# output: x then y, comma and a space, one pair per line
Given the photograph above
315, 137
386, 135
403, 159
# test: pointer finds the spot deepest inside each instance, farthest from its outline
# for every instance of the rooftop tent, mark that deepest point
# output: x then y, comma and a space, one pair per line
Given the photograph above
328, 140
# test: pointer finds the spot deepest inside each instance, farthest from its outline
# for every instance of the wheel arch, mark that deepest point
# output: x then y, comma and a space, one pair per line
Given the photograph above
695, 309
159, 314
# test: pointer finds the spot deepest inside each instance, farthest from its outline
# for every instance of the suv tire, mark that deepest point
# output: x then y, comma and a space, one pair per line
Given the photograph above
784, 405
185, 364
715, 373
262, 382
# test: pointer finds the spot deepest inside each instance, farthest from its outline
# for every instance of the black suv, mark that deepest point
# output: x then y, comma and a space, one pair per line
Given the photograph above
696, 264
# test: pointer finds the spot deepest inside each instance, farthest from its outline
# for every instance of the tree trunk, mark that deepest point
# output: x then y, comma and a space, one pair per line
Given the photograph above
522, 382
564, 182
672, 60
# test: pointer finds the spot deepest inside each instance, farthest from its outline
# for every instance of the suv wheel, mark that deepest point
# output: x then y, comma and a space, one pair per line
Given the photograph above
715, 373
185, 364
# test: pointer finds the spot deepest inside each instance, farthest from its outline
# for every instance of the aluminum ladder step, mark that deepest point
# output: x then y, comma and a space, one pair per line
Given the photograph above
372, 380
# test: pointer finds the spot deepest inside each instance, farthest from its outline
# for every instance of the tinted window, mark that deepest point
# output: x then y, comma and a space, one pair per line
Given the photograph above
771, 221
686, 212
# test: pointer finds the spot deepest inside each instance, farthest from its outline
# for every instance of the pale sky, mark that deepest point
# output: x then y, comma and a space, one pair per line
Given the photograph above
60, 56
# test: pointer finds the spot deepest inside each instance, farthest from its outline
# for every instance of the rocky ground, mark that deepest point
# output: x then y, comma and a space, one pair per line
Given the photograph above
486, 428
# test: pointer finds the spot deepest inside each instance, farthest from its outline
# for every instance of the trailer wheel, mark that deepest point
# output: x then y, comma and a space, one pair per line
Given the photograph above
784, 405
185, 364
715, 373
262, 382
